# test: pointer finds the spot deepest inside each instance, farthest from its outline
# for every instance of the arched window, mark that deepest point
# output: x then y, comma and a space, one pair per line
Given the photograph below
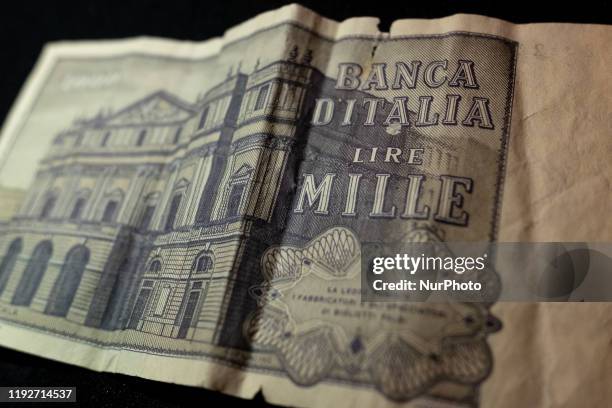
189, 307
234, 200
141, 137
8, 262
203, 263
149, 205
48, 207
34, 271
172, 211
77, 210
203, 118
155, 266
67, 283
237, 186
262, 95
141, 303
147, 216
109, 211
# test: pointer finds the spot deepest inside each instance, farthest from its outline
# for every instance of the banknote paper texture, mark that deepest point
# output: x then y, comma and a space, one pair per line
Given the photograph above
195, 212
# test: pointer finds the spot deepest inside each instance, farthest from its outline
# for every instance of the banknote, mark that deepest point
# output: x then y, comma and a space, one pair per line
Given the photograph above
196, 212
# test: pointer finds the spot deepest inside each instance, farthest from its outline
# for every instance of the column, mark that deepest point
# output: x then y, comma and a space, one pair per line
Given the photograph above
68, 193
195, 191
98, 192
158, 218
133, 195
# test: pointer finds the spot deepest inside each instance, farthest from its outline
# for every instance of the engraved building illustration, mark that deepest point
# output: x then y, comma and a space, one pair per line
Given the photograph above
154, 218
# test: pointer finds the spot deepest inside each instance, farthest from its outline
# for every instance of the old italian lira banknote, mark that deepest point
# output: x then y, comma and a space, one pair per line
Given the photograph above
195, 212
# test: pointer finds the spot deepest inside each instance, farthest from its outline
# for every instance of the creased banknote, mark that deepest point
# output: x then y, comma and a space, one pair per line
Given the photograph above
195, 212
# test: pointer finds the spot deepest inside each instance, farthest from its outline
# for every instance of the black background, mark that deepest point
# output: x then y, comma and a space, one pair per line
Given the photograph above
25, 26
